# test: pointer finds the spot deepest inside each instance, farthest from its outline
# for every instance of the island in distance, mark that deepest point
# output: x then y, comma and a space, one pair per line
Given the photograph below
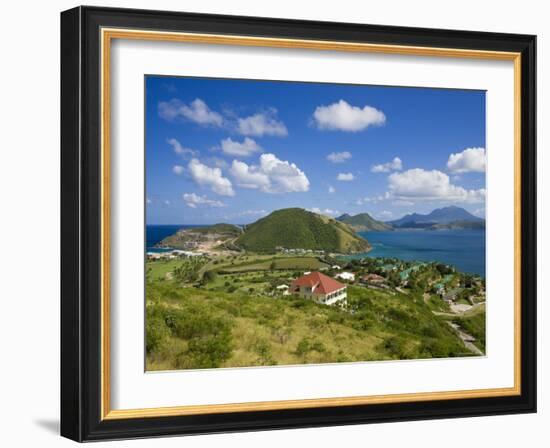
294, 288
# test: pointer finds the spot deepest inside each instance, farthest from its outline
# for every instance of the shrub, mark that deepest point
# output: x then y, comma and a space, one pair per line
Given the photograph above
307, 345
206, 352
209, 276
263, 350
395, 347
156, 331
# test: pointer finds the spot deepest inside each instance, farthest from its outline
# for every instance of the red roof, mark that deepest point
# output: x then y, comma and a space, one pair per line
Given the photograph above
323, 283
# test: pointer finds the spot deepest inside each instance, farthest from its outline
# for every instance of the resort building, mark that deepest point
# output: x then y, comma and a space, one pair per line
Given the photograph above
349, 276
374, 279
319, 287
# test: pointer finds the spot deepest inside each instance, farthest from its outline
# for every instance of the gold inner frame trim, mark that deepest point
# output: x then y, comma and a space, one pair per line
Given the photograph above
107, 35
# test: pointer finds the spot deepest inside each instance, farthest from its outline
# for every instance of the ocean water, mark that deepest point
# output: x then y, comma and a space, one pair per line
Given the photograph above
464, 249
156, 233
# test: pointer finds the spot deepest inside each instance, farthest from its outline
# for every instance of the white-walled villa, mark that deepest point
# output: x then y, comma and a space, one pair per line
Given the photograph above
319, 287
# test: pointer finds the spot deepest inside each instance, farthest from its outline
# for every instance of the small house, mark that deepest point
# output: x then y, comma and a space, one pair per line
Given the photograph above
319, 287
373, 279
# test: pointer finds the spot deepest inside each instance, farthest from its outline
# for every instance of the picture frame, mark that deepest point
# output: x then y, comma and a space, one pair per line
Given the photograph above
86, 238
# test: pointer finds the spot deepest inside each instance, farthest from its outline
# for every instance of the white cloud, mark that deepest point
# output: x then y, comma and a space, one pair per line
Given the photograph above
261, 124
197, 112
419, 184
331, 189
249, 176
395, 165
148, 201
167, 202
373, 199
341, 116
211, 178
194, 200
325, 211
339, 157
243, 149
345, 177
252, 212
402, 203
384, 214
178, 169
216, 161
469, 160
270, 176
179, 149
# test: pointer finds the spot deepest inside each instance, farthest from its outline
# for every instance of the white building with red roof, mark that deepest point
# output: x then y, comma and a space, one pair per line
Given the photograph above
319, 287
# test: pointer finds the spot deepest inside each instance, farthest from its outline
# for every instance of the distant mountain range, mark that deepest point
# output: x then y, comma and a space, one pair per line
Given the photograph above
363, 222
451, 217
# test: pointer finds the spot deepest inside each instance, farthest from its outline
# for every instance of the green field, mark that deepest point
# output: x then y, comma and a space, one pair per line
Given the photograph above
305, 263
234, 319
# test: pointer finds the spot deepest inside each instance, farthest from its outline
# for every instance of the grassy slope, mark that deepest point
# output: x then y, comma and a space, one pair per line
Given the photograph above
209, 327
363, 222
298, 228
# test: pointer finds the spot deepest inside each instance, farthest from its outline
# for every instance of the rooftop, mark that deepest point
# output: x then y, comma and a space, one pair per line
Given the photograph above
323, 283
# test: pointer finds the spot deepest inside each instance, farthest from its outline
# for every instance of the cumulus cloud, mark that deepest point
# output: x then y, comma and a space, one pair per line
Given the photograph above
331, 189
179, 149
345, 177
241, 149
395, 165
342, 116
210, 177
197, 112
261, 124
194, 200
339, 157
469, 160
270, 176
178, 169
324, 211
419, 184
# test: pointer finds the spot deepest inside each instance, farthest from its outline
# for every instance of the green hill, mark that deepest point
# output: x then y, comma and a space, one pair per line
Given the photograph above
363, 222
188, 238
296, 228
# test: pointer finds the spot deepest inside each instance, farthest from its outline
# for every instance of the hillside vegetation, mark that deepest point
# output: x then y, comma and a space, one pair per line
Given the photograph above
296, 228
207, 327
363, 222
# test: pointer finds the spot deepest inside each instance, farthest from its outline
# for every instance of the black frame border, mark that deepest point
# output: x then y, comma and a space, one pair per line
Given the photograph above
81, 224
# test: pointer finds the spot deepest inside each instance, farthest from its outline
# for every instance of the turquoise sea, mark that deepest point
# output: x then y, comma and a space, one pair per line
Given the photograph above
464, 249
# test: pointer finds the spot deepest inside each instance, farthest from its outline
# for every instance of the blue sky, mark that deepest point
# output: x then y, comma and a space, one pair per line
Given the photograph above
234, 150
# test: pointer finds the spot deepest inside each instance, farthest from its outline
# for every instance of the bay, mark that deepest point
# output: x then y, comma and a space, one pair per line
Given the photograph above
464, 249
